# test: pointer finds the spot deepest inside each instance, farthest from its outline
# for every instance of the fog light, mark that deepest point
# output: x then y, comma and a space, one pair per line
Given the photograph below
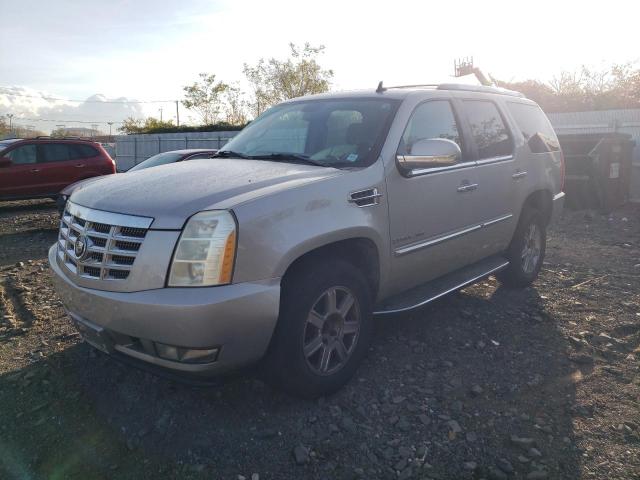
186, 355
168, 352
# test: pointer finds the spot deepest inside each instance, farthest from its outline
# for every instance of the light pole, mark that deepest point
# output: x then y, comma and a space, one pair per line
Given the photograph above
10, 116
110, 136
160, 114
94, 131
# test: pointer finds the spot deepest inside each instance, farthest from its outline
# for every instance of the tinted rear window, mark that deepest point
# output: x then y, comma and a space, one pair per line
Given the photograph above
488, 129
533, 123
77, 151
53, 152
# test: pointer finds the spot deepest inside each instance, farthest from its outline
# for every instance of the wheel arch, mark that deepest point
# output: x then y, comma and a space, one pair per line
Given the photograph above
360, 251
541, 200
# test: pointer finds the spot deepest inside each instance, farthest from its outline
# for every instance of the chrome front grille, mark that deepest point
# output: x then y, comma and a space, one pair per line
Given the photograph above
99, 245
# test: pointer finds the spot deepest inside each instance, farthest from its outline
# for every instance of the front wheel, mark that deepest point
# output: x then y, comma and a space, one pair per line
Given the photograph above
324, 329
526, 251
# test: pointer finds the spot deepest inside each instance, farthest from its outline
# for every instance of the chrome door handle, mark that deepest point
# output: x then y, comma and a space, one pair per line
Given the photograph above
518, 175
79, 165
467, 187
34, 170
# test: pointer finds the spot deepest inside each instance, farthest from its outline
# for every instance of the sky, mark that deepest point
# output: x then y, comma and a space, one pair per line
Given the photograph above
147, 50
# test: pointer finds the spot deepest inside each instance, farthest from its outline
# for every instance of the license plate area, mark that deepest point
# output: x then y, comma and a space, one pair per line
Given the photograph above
94, 335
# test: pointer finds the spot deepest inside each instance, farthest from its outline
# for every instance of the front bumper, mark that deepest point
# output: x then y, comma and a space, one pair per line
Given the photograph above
557, 206
238, 319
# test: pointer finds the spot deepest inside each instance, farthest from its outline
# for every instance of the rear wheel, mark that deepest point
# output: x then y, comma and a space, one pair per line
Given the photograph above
324, 329
526, 251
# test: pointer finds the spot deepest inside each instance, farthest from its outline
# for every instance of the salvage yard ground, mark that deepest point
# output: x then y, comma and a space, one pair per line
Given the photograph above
487, 383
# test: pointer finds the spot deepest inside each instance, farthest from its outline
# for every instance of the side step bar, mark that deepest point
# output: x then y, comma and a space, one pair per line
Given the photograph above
439, 287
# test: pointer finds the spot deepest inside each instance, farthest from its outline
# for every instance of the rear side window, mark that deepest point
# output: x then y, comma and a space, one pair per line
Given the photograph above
535, 127
77, 151
488, 130
432, 119
54, 152
23, 155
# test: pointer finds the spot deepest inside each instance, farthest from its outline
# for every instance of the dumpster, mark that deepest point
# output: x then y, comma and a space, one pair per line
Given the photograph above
597, 170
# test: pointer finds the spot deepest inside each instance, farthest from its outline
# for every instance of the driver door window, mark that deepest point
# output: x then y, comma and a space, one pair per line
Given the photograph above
433, 119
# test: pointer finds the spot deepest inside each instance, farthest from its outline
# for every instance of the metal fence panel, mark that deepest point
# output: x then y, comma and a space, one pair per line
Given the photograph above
133, 149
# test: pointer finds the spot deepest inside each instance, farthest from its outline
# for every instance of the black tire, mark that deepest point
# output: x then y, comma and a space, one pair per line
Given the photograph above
61, 203
516, 275
286, 365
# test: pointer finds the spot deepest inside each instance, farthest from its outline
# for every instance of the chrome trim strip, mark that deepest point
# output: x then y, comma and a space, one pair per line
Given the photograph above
487, 161
110, 218
423, 171
442, 294
372, 197
497, 220
435, 241
450, 236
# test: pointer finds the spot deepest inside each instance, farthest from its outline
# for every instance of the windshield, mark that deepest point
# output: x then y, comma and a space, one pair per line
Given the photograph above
159, 159
336, 132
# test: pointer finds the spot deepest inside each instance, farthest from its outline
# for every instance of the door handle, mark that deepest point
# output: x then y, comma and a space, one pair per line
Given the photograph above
34, 170
79, 165
518, 175
467, 187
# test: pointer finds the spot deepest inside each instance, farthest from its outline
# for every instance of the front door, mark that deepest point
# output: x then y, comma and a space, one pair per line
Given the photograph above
22, 177
433, 213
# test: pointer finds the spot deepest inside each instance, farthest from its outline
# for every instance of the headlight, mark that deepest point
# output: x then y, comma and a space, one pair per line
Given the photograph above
206, 251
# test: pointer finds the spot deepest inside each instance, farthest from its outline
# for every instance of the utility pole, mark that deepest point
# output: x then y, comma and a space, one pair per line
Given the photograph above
110, 136
94, 131
10, 116
160, 114
177, 114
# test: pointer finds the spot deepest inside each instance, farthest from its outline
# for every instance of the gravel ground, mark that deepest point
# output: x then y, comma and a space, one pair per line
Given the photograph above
486, 383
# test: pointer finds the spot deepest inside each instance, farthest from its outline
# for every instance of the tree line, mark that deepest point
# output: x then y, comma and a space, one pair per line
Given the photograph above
225, 106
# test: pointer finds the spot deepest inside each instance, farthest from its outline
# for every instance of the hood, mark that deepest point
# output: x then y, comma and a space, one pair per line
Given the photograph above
172, 193
69, 189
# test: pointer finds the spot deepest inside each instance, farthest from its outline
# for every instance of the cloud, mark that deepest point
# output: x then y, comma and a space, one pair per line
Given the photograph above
45, 110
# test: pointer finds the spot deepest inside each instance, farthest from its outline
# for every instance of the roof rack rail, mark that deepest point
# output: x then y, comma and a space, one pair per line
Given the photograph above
86, 139
419, 85
479, 88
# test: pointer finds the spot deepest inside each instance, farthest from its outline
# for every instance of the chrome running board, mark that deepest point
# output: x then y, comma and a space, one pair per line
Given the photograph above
439, 287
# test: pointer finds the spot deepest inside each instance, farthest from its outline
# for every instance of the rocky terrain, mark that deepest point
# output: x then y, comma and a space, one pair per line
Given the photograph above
486, 383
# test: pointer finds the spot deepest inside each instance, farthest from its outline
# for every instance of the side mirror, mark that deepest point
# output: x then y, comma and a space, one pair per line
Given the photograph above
429, 153
5, 162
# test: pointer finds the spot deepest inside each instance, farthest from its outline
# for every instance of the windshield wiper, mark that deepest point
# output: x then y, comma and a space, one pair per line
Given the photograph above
282, 156
228, 154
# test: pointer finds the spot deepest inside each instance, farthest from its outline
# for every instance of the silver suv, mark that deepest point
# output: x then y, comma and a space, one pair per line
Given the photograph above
324, 211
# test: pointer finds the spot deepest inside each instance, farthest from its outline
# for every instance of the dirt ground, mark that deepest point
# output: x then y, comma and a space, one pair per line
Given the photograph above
486, 383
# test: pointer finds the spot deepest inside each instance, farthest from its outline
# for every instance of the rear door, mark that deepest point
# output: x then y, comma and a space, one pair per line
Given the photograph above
22, 177
59, 166
497, 172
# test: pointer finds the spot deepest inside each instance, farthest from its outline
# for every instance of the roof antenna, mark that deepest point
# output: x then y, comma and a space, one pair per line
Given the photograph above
380, 88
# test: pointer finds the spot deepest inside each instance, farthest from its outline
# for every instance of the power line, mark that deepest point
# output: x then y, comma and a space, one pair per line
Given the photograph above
123, 102
65, 121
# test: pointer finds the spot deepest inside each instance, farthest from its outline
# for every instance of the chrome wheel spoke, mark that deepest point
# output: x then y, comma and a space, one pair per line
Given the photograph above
316, 319
341, 350
346, 304
312, 347
332, 301
325, 359
350, 328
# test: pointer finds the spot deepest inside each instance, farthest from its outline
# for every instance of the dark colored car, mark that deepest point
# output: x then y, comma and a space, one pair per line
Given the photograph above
41, 167
154, 161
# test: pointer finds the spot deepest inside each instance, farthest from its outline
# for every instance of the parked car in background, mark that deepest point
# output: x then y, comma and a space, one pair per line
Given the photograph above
41, 167
322, 212
154, 161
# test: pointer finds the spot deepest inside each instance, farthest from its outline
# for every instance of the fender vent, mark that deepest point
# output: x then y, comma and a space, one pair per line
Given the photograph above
365, 198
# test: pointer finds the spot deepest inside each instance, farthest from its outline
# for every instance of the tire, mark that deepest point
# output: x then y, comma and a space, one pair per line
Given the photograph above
307, 321
531, 234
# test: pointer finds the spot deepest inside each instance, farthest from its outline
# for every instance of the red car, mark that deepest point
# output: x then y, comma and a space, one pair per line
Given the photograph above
43, 166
